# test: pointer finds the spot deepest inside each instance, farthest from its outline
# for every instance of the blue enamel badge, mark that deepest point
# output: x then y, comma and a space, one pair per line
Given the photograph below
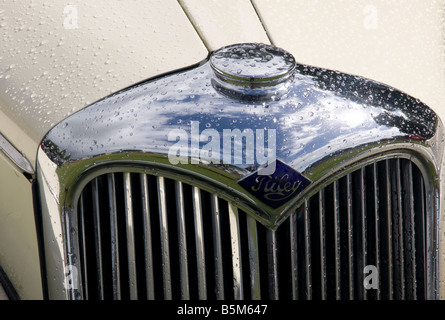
277, 188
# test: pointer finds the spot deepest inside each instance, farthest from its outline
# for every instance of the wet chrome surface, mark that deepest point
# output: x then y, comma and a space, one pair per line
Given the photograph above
327, 123
250, 64
325, 120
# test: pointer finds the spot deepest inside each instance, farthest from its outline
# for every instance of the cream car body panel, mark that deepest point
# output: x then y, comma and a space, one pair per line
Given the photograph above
72, 63
399, 43
57, 58
221, 23
19, 254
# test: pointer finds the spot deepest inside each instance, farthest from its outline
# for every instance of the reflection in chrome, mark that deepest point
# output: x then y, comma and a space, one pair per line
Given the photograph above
328, 124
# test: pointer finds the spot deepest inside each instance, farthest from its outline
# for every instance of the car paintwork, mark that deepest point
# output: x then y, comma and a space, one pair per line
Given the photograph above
50, 71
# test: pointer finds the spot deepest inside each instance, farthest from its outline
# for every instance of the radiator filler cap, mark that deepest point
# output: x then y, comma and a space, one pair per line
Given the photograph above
252, 65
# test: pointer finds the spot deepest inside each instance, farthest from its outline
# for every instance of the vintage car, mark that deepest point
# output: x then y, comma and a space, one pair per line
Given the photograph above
236, 149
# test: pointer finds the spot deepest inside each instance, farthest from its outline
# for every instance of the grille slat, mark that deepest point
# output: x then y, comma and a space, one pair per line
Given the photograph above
323, 267
364, 226
254, 263
400, 258
164, 241
217, 245
337, 239
98, 240
272, 265
307, 246
409, 234
114, 237
82, 245
350, 212
238, 288
293, 230
377, 221
144, 236
389, 231
148, 246
419, 207
131, 251
182, 241
199, 243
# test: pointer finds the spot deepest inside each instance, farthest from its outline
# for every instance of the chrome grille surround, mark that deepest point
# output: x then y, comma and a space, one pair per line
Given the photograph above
206, 248
329, 125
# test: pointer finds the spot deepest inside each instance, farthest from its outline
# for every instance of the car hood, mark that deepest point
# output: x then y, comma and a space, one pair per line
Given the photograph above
55, 58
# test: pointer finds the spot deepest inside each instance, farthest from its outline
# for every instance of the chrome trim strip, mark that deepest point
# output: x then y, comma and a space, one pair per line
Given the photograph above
15, 156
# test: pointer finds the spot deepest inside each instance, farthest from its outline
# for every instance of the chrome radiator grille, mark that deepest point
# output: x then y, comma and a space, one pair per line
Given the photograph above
143, 236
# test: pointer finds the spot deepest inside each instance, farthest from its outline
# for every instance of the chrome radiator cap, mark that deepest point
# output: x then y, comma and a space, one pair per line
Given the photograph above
251, 71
